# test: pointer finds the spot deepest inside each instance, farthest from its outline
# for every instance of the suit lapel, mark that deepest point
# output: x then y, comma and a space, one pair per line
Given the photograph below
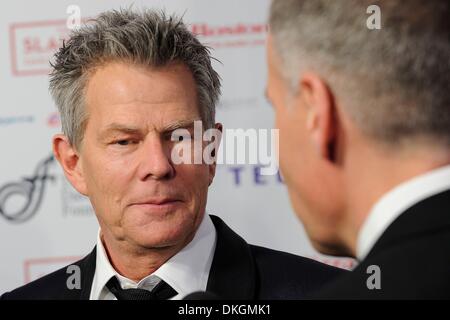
232, 273
87, 270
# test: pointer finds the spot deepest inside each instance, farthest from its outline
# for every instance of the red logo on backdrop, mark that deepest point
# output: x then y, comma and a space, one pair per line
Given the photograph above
53, 120
33, 44
204, 29
229, 36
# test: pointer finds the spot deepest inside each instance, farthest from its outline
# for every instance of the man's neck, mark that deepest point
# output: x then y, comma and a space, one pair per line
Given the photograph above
374, 175
134, 262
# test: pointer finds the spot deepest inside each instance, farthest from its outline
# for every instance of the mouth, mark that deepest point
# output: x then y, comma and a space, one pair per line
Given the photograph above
160, 204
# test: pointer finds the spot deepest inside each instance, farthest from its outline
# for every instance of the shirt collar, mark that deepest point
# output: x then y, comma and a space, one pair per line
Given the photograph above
186, 272
397, 201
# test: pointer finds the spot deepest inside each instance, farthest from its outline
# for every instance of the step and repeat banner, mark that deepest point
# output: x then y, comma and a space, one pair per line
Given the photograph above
44, 223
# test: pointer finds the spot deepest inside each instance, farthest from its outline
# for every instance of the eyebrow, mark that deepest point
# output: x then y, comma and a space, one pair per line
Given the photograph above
118, 127
180, 124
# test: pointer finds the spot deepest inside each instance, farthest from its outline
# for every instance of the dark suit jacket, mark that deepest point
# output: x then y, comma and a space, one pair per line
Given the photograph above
413, 255
238, 271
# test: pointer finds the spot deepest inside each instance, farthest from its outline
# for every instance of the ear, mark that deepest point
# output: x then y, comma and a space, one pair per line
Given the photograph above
321, 114
70, 162
217, 139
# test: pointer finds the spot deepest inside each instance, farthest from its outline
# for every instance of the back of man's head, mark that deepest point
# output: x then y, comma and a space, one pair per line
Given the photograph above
393, 82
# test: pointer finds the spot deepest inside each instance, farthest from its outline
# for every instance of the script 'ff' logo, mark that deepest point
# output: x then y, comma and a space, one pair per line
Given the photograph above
30, 188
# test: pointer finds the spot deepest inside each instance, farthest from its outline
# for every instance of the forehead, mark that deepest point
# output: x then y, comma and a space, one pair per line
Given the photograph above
134, 93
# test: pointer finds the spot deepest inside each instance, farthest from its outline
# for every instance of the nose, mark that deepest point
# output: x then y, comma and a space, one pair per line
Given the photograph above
155, 160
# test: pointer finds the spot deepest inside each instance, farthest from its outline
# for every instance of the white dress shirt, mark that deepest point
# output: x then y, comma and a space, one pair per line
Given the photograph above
186, 272
397, 201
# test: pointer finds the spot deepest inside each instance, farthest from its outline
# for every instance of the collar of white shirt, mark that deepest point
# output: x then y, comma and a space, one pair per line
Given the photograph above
397, 201
186, 272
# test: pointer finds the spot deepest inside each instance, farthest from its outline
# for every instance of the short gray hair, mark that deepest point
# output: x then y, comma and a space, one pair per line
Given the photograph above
394, 82
148, 38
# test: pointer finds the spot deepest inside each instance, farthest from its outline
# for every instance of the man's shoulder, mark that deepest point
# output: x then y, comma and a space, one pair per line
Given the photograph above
296, 273
51, 286
415, 268
58, 285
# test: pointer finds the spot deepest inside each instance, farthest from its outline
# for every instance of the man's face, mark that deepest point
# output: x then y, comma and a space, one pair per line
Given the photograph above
138, 194
289, 119
311, 185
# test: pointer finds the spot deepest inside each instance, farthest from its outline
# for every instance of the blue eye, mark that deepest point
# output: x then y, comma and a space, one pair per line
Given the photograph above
123, 142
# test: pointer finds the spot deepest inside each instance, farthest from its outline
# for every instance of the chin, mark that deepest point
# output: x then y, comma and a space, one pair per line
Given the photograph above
160, 235
156, 241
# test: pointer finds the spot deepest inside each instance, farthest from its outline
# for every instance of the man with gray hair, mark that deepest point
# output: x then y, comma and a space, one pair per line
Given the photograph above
124, 84
364, 119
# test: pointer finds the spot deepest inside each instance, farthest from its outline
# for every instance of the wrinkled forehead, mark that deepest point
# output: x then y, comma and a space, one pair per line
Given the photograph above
142, 96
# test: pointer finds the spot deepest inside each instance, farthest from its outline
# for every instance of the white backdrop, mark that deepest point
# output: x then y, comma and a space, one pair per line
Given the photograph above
44, 223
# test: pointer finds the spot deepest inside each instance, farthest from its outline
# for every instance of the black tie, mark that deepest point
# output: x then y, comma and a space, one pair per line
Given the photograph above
162, 291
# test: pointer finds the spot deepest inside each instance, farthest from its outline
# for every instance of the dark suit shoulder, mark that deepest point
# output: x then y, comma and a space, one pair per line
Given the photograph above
290, 275
54, 286
48, 287
415, 268
411, 258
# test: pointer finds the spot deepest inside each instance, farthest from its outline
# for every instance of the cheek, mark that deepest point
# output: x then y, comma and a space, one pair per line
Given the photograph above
289, 145
195, 180
107, 184
104, 176
294, 162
